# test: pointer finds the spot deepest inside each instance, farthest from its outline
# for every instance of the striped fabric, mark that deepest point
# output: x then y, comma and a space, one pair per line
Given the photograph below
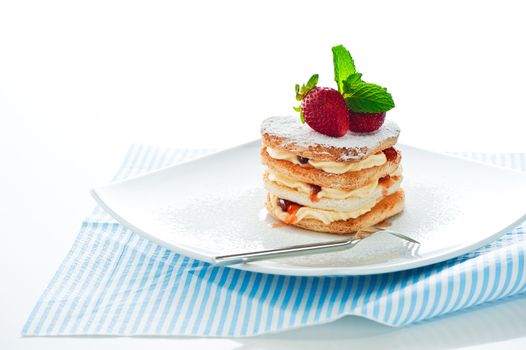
113, 282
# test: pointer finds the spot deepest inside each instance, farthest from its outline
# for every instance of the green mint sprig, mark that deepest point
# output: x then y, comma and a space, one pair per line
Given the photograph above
359, 95
343, 65
304, 90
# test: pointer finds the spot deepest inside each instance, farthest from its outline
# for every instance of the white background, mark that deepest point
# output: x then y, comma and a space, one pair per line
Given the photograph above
81, 80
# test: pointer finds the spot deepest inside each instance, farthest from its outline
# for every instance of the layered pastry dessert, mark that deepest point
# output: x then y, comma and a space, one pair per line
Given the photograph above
336, 168
326, 184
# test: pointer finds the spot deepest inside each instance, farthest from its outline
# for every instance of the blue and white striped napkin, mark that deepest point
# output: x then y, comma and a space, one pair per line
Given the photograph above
113, 282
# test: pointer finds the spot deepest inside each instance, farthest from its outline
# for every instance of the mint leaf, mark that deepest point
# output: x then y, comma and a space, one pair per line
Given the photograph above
343, 65
351, 80
369, 98
359, 95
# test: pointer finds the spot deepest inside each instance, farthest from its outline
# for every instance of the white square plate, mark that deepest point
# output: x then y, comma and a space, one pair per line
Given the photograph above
215, 206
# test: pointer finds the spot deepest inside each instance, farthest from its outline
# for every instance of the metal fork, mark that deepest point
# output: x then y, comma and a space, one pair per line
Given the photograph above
303, 249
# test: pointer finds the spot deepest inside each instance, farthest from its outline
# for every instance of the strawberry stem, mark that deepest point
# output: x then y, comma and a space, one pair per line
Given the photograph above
302, 91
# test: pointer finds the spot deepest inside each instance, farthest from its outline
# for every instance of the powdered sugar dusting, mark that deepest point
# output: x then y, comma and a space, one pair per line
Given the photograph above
353, 145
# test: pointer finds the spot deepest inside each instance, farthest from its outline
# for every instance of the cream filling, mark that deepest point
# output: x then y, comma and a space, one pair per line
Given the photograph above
331, 167
398, 171
325, 216
330, 193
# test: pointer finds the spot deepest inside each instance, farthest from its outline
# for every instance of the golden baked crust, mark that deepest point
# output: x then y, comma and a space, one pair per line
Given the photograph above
318, 152
387, 207
289, 134
348, 181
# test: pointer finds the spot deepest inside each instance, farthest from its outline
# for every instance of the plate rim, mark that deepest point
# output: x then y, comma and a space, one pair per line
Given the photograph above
270, 267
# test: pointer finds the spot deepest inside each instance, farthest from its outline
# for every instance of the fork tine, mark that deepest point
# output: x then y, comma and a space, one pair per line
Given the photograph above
402, 236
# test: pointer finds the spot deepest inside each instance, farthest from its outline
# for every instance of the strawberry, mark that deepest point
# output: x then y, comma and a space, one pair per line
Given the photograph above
365, 122
325, 111
323, 108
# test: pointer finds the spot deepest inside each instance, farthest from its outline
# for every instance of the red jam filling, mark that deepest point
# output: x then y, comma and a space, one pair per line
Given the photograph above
314, 190
290, 208
390, 154
303, 160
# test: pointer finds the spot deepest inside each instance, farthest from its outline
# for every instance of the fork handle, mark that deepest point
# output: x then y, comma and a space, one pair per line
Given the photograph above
296, 250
